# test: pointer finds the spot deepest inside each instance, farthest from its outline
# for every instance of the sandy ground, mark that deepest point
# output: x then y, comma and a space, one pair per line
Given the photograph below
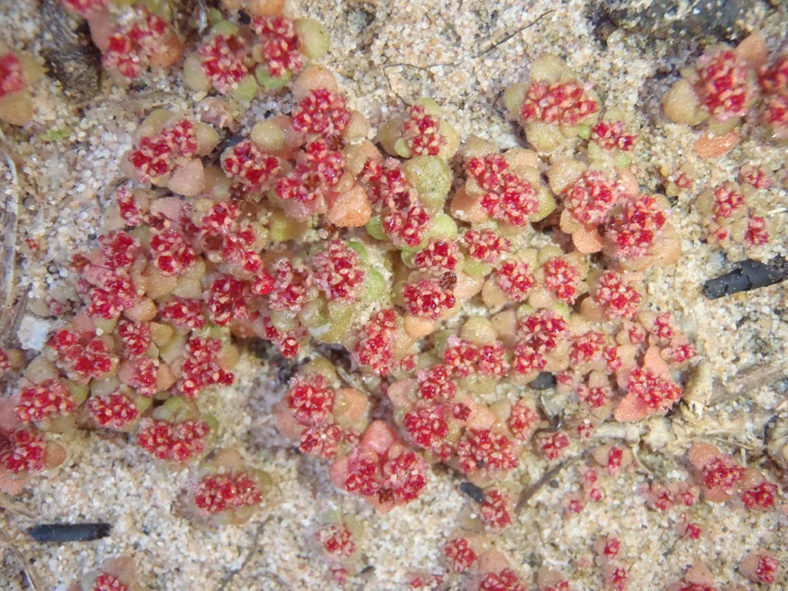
386, 53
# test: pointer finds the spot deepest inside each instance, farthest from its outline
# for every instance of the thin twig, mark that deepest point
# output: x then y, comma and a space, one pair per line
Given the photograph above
731, 440
27, 568
746, 380
10, 220
418, 67
513, 34
529, 492
11, 319
252, 551
9, 504
429, 67
202, 16
9, 161
346, 377
643, 465
388, 80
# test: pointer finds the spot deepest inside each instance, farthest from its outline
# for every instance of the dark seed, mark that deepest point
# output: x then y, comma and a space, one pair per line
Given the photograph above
473, 491
543, 381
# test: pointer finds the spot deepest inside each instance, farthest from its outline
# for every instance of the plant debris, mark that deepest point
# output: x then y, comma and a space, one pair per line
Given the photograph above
747, 275
69, 532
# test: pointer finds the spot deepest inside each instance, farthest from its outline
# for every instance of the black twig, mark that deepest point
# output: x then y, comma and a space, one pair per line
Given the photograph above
69, 532
747, 274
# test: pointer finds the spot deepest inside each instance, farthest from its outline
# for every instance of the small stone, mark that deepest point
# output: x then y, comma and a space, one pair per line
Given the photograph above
32, 333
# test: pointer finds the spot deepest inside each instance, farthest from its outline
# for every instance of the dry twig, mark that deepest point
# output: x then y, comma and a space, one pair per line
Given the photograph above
8, 226
252, 551
493, 45
27, 567
529, 492
747, 379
